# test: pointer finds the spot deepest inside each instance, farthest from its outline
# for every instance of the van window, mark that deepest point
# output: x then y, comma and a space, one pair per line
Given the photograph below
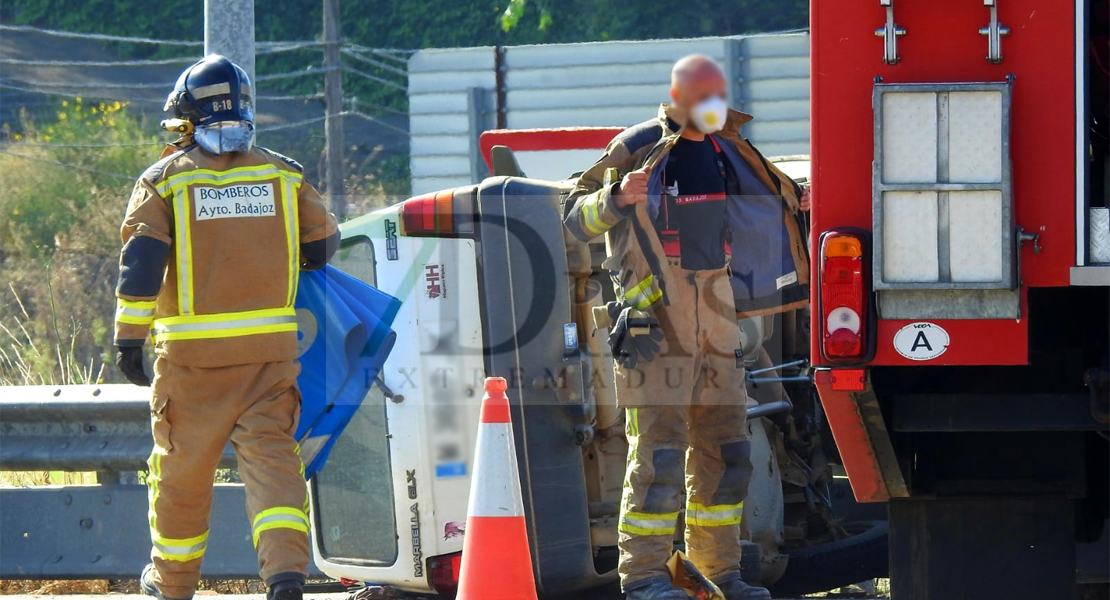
353, 494
356, 258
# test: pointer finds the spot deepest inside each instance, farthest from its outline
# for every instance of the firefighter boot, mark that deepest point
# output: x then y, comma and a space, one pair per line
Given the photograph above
734, 588
655, 588
146, 583
288, 589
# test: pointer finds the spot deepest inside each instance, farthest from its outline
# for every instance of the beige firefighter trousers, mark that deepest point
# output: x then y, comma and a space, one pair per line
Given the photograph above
194, 412
687, 433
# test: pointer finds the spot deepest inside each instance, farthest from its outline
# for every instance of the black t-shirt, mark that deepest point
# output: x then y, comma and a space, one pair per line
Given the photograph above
692, 221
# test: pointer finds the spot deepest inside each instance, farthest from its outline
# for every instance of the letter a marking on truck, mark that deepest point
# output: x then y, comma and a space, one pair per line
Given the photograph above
921, 341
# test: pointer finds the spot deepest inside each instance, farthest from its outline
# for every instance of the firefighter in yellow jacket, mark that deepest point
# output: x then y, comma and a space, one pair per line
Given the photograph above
701, 230
215, 235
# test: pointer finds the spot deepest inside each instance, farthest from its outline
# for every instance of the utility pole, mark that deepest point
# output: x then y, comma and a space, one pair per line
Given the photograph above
229, 30
333, 105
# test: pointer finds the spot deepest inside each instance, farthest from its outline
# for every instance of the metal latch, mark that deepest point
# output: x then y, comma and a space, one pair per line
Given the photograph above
890, 33
994, 33
1027, 236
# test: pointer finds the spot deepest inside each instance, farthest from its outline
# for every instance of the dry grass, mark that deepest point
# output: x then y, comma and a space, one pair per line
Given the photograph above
45, 478
53, 587
123, 586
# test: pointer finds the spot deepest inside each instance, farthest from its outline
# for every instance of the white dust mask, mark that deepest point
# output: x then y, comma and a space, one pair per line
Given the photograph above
709, 116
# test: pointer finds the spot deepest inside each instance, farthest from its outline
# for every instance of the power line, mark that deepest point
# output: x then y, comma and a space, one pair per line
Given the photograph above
382, 52
67, 165
273, 47
98, 36
260, 47
370, 61
291, 97
380, 80
92, 95
290, 74
164, 86
290, 125
361, 115
97, 63
356, 103
346, 113
85, 145
91, 86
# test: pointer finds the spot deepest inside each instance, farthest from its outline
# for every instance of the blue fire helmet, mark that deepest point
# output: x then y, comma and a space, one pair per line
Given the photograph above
215, 95
214, 89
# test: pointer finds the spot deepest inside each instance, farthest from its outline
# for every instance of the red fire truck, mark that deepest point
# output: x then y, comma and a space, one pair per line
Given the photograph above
959, 316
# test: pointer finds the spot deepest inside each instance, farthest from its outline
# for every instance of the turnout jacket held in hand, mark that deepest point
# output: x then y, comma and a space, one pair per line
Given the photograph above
769, 262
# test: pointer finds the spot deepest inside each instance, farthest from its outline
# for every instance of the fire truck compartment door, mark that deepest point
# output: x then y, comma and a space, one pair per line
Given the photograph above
945, 241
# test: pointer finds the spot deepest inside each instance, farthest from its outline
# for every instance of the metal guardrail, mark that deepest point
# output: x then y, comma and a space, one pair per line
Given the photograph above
103, 428
95, 531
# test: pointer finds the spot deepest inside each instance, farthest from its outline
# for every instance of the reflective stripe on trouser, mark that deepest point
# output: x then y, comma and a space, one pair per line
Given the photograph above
281, 517
195, 412
687, 432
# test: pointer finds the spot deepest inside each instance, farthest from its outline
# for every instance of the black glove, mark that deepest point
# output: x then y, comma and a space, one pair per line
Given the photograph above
129, 359
634, 336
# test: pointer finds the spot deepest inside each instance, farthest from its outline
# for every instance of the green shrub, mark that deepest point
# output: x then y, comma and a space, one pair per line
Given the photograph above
64, 186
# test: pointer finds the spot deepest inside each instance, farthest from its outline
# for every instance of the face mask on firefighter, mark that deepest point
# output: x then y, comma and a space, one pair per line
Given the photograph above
709, 115
223, 137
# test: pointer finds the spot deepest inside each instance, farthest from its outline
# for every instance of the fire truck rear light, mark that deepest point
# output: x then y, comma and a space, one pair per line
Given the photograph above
843, 318
842, 343
844, 296
444, 571
848, 380
843, 246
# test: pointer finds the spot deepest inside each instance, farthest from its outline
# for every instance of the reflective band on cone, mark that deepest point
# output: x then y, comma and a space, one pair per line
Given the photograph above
496, 559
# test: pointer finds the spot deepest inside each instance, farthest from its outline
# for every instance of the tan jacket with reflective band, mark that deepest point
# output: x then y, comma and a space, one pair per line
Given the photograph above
634, 248
235, 224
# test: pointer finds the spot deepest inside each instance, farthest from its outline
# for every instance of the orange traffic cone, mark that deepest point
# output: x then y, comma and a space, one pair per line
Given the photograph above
496, 560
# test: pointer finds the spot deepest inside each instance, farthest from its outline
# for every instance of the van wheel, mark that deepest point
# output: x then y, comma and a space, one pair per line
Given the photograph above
858, 557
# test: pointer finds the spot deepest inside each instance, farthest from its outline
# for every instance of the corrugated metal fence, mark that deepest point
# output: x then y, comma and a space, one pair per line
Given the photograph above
453, 94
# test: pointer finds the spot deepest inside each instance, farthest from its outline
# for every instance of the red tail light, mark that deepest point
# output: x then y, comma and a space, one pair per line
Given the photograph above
845, 296
444, 571
440, 214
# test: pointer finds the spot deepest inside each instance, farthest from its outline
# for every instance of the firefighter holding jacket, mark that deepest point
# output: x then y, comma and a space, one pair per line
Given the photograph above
214, 238
701, 230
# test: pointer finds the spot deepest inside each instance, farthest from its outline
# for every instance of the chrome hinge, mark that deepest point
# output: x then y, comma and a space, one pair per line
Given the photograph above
889, 33
994, 33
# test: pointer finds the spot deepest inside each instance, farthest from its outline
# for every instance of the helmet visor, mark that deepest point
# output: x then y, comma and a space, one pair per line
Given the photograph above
224, 137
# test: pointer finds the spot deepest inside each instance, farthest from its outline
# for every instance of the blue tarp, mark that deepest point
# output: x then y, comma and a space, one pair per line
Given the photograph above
345, 336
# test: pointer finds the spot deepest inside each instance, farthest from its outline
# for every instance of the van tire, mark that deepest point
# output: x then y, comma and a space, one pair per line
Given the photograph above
859, 557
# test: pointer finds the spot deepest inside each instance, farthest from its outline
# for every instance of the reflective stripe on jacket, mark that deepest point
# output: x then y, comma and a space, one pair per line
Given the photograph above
234, 225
